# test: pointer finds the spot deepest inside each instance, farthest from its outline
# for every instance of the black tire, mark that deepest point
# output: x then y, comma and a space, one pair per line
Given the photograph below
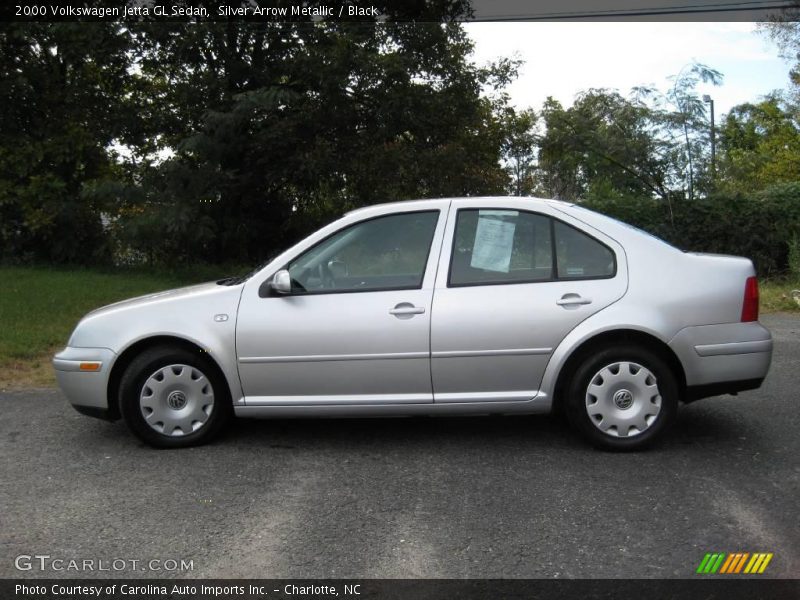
625, 358
219, 408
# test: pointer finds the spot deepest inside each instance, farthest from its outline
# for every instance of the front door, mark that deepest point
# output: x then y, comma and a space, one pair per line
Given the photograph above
356, 327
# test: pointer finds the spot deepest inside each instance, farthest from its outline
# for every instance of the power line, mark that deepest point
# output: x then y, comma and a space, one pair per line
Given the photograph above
747, 6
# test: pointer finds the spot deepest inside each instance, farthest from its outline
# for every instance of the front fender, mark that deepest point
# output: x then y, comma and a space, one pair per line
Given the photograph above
206, 319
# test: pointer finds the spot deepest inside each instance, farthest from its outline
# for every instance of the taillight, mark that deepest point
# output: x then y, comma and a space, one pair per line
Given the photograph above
750, 306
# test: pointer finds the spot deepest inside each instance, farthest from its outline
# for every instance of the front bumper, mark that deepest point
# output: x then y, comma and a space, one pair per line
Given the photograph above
86, 390
726, 358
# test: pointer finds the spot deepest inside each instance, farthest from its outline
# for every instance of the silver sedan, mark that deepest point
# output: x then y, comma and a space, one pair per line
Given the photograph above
434, 307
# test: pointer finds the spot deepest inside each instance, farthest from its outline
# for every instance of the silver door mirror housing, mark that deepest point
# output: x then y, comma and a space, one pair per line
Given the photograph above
281, 282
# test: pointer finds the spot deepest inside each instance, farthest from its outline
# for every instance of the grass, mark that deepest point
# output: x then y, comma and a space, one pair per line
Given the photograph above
40, 306
776, 295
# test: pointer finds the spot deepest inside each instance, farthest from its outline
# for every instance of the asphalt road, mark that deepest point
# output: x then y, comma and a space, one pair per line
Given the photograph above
421, 497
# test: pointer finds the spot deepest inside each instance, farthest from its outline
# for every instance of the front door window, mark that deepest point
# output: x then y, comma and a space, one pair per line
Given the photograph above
386, 253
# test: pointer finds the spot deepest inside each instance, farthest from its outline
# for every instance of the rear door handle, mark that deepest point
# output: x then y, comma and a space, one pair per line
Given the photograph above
406, 309
573, 300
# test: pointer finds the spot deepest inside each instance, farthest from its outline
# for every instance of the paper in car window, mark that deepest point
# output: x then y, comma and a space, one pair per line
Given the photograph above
494, 241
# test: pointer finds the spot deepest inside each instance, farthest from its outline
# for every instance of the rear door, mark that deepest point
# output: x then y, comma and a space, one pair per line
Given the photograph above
513, 280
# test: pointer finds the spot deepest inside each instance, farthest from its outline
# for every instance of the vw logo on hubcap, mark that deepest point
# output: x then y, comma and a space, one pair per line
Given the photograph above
623, 399
176, 400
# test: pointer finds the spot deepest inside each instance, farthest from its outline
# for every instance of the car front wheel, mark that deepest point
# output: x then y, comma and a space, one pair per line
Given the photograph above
622, 398
173, 398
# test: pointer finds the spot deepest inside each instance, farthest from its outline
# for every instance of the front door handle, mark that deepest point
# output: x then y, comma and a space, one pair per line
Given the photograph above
573, 300
406, 310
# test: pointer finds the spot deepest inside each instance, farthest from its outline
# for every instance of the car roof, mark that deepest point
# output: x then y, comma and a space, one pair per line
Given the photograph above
490, 200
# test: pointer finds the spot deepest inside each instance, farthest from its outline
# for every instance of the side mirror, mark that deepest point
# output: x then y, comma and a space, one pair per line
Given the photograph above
281, 282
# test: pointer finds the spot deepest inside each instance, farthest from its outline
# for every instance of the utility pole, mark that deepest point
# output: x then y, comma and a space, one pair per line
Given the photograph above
710, 100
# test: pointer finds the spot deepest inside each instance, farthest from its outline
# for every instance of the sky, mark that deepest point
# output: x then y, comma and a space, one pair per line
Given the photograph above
562, 59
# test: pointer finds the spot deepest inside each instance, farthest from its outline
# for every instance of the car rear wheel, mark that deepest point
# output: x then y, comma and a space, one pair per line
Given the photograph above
622, 398
173, 398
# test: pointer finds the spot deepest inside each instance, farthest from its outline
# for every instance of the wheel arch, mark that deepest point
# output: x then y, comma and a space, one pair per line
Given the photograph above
612, 337
131, 352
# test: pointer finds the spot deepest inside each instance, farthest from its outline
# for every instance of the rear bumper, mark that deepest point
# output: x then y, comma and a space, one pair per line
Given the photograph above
87, 391
723, 359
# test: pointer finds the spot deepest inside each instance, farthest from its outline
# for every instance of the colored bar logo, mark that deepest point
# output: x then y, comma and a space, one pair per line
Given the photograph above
734, 563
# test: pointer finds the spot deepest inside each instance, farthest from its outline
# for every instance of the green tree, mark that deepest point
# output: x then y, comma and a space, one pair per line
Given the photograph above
651, 144
278, 126
760, 146
62, 92
519, 149
681, 123
786, 34
602, 143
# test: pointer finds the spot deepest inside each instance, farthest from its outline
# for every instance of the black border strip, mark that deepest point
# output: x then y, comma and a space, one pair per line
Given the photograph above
735, 587
418, 11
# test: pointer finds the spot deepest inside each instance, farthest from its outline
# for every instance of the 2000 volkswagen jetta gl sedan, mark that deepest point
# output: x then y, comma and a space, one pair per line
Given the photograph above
438, 307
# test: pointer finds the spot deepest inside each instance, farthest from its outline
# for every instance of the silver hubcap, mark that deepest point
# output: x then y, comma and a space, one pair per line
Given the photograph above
623, 399
176, 400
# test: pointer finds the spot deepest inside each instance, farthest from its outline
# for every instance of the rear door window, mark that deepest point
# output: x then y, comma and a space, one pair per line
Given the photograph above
493, 246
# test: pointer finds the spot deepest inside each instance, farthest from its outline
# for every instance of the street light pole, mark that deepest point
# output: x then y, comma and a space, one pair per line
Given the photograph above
710, 100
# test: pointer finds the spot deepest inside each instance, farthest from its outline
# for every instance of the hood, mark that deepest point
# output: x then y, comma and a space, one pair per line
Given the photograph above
156, 298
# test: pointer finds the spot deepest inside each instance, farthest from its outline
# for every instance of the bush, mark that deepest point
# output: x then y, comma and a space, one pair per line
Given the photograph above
760, 227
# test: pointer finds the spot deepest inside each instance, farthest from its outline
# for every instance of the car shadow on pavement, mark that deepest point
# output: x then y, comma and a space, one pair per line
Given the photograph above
541, 429
695, 426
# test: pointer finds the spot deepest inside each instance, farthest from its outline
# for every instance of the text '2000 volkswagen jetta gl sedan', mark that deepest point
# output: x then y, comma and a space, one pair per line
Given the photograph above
435, 307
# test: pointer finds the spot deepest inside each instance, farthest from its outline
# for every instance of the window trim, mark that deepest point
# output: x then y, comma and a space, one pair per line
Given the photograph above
554, 267
437, 211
